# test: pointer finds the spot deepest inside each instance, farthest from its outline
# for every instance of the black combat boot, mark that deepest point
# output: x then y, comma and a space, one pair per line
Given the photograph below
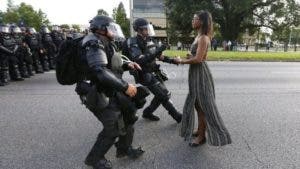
38, 67
15, 74
23, 71
148, 112
130, 152
30, 70
103, 164
4, 75
1, 77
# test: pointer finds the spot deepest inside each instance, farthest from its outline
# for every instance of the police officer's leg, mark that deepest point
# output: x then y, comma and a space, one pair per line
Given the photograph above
36, 62
160, 91
44, 61
21, 63
4, 70
14, 68
148, 111
124, 144
109, 118
51, 58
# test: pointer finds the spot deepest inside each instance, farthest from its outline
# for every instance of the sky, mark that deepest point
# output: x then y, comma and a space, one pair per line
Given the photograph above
70, 11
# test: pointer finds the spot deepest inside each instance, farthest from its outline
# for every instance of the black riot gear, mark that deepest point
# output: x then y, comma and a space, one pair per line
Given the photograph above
144, 51
104, 95
9, 60
32, 39
22, 52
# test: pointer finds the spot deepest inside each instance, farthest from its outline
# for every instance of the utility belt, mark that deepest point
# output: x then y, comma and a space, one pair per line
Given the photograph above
139, 76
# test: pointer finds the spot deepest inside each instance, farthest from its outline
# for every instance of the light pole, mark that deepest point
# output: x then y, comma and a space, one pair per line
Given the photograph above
131, 16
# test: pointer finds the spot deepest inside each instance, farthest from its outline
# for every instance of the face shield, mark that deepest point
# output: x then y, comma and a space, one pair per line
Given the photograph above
17, 30
4, 29
46, 30
55, 28
116, 31
32, 31
149, 28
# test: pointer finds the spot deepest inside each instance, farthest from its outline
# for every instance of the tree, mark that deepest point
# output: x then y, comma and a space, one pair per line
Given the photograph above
25, 14
119, 15
102, 12
235, 16
76, 27
65, 26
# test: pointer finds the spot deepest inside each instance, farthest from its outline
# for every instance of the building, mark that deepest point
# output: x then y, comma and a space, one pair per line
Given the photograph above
154, 12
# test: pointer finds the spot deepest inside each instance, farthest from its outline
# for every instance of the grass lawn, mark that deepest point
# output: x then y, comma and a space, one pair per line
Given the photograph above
243, 56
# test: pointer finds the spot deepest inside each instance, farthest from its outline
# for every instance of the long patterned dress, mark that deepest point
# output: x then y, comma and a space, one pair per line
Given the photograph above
202, 94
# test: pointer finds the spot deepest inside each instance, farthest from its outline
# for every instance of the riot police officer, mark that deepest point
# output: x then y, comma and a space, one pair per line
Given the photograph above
143, 51
4, 52
57, 36
22, 52
10, 61
98, 51
33, 41
49, 49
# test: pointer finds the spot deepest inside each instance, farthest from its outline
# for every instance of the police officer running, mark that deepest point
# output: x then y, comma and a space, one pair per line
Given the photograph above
98, 51
143, 51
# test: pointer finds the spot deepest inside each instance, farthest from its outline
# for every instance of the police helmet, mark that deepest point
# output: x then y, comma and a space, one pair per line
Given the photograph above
44, 29
141, 23
106, 23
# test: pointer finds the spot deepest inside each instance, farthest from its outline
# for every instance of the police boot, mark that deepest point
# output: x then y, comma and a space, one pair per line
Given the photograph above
172, 111
1, 77
30, 70
45, 66
51, 63
148, 112
130, 152
23, 71
103, 164
38, 67
15, 73
4, 75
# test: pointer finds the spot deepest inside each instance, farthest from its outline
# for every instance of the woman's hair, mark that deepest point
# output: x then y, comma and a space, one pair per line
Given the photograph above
207, 25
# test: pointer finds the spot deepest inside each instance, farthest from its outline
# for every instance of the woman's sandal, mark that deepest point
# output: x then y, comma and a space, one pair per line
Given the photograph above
198, 144
195, 134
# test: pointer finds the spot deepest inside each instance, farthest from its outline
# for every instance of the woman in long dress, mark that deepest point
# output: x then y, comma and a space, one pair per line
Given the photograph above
201, 94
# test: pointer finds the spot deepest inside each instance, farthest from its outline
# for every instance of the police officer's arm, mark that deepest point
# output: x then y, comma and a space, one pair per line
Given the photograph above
95, 56
5, 50
168, 60
139, 57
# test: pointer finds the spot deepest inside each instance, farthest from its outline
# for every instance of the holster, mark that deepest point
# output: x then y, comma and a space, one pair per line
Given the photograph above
94, 100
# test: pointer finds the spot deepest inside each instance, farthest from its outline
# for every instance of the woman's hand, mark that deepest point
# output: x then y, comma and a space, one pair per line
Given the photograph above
178, 60
134, 66
188, 56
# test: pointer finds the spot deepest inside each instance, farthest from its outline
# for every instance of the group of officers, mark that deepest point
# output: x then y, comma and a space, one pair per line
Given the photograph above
24, 51
117, 101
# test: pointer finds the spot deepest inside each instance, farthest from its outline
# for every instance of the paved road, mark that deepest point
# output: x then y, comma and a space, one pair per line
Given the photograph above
44, 126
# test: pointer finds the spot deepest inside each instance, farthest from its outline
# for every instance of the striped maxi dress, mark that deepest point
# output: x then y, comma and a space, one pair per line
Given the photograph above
202, 93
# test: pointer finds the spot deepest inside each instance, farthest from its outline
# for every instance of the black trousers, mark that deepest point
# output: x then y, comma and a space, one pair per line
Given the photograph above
114, 126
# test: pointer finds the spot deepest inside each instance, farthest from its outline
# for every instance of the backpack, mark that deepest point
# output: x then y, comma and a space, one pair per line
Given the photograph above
68, 62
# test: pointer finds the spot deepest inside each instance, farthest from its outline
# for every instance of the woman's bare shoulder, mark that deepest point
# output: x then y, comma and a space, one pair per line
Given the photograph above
203, 39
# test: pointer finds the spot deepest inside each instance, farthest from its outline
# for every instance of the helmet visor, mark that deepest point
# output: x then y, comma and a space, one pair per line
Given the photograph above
4, 29
55, 28
17, 30
150, 29
117, 32
46, 30
32, 31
